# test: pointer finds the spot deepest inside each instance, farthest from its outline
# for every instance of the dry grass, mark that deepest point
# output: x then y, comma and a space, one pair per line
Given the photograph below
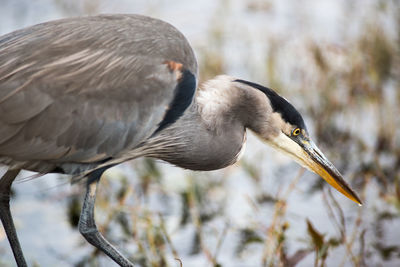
348, 81
350, 92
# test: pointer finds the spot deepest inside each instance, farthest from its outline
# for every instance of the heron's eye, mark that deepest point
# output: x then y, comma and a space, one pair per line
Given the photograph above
296, 132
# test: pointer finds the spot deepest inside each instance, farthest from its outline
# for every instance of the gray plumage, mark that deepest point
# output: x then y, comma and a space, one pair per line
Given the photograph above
80, 95
84, 90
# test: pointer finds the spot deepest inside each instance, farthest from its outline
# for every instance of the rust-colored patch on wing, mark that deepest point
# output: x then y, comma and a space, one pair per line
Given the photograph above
175, 67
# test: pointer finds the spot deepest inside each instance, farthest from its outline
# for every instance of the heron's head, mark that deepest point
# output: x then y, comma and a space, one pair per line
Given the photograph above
285, 130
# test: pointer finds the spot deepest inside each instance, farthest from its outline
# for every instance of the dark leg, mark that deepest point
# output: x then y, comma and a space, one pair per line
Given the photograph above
6, 218
87, 225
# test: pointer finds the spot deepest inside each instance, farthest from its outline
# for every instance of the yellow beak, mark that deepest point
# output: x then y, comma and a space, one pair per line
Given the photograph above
318, 163
307, 154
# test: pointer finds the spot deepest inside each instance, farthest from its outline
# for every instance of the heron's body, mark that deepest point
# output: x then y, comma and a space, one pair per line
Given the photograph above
80, 95
96, 89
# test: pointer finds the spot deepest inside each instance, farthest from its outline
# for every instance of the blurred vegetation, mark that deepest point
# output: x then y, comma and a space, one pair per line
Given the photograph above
338, 85
348, 92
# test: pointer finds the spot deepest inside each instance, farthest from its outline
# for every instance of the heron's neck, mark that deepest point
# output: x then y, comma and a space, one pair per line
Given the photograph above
210, 134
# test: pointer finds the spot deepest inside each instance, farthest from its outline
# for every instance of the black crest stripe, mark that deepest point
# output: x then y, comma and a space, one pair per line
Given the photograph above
279, 104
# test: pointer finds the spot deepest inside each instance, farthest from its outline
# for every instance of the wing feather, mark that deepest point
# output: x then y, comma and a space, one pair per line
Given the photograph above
83, 90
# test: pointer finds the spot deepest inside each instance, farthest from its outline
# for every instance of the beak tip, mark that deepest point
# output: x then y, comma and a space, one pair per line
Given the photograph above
353, 196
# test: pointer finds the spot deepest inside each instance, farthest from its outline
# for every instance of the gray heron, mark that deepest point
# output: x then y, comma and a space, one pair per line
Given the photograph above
80, 95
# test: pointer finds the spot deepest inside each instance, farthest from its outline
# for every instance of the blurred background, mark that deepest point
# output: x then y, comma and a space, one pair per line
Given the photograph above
337, 61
